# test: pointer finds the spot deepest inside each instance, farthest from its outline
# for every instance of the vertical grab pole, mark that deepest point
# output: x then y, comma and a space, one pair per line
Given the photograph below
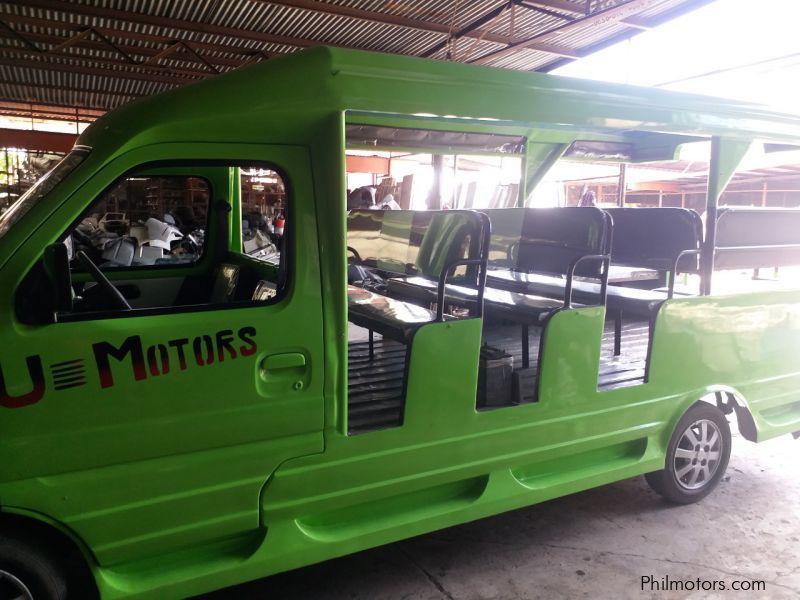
726, 155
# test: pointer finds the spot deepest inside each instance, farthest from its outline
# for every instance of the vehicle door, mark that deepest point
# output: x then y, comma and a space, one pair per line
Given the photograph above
153, 428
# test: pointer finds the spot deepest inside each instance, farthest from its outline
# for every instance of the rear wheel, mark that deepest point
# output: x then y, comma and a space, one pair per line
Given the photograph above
27, 572
697, 456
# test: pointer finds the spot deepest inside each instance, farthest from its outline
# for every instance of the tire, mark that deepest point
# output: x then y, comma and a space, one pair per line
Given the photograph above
697, 456
28, 572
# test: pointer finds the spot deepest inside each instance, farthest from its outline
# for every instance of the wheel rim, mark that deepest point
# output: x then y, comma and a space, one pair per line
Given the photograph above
697, 454
11, 587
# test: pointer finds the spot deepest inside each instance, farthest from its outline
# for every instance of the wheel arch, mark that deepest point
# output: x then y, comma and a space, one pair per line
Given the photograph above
56, 536
745, 422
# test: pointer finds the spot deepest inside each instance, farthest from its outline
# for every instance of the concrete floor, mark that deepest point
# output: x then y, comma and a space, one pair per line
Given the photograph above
595, 544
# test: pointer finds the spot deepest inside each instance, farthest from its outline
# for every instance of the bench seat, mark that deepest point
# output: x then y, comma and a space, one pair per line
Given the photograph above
390, 317
644, 303
506, 304
430, 244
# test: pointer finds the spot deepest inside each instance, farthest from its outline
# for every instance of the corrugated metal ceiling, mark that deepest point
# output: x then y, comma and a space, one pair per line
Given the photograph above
101, 53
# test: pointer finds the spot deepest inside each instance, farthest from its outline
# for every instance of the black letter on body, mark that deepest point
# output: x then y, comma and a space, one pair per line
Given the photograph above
132, 346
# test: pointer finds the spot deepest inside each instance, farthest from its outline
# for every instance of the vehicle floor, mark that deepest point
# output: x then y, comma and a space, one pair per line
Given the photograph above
376, 387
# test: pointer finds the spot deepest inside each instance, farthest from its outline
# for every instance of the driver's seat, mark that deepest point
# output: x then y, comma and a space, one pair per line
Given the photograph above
223, 290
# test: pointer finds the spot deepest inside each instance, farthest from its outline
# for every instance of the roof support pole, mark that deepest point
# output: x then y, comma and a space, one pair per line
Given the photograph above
539, 159
621, 185
726, 155
435, 194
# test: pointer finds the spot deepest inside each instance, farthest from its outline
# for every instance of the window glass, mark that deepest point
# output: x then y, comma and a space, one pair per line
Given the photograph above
41, 188
263, 200
162, 215
145, 221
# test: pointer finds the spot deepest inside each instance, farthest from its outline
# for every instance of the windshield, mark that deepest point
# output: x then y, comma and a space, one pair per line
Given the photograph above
41, 188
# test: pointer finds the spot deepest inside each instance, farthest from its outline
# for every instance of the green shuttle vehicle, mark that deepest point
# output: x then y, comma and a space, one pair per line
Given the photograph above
198, 389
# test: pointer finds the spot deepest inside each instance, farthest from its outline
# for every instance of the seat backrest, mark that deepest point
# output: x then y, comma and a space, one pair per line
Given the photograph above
409, 242
224, 288
451, 235
506, 234
654, 237
363, 234
265, 290
393, 243
549, 240
56, 263
749, 238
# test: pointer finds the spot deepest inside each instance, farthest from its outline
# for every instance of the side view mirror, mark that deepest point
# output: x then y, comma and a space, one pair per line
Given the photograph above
56, 265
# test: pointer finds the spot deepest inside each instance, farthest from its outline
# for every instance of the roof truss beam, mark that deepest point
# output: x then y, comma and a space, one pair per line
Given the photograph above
483, 22
135, 73
470, 31
131, 65
49, 111
131, 39
189, 26
176, 47
109, 40
371, 15
613, 14
86, 33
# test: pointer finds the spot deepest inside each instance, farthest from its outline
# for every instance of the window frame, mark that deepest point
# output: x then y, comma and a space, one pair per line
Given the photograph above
283, 285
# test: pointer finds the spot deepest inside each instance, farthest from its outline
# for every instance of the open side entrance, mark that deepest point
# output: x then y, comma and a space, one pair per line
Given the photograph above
401, 263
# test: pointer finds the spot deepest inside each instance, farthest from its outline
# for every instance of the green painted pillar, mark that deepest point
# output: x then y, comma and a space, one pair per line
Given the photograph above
539, 159
726, 155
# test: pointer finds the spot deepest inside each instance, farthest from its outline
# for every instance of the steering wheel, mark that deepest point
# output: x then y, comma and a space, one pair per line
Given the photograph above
356, 255
112, 292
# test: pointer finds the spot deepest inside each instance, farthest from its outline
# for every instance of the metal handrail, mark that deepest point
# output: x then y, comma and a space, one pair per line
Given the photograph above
481, 263
605, 264
674, 273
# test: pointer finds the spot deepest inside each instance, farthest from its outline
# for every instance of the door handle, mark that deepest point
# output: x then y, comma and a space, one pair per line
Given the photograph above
288, 360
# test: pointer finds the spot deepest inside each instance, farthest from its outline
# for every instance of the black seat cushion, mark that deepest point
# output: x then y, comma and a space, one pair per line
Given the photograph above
392, 318
514, 306
641, 302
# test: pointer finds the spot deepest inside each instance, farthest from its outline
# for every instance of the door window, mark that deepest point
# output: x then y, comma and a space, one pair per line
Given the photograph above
145, 221
164, 237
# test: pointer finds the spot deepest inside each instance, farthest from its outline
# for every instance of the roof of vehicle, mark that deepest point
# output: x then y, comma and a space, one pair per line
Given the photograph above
285, 101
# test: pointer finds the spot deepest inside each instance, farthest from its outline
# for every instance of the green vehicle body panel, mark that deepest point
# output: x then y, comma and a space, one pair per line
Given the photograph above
177, 483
